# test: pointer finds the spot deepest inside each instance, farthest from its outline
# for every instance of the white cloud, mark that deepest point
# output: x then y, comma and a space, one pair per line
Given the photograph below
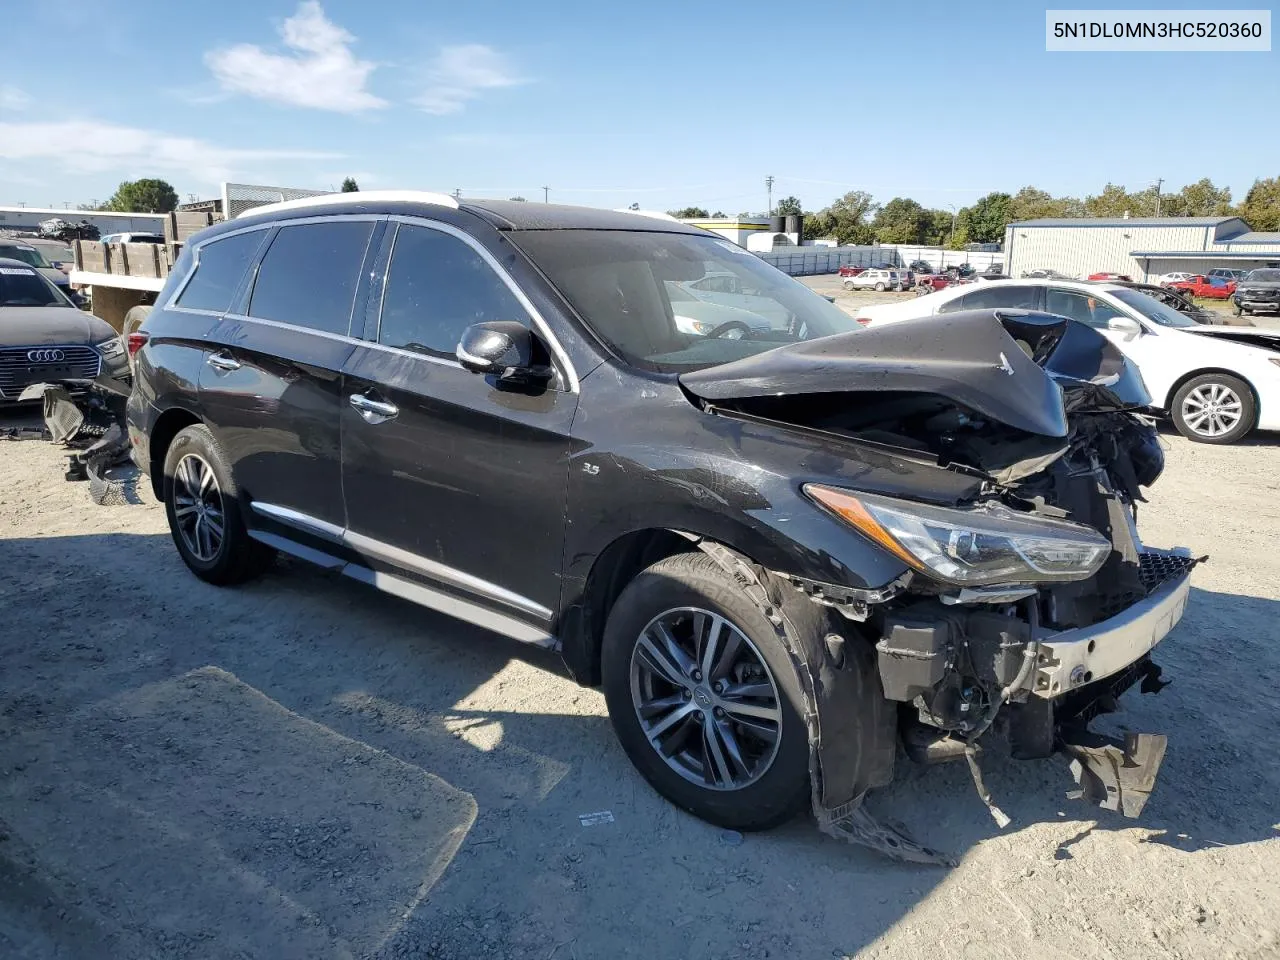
91, 146
321, 73
461, 73
11, 98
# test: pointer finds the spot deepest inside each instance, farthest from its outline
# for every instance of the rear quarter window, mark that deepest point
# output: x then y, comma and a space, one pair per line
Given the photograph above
220, 267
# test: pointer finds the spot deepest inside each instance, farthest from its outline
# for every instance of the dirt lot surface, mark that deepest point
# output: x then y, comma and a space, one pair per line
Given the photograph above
306, 768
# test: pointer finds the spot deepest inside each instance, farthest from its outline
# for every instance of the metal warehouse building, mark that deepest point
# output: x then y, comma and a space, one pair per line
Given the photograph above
1143, 248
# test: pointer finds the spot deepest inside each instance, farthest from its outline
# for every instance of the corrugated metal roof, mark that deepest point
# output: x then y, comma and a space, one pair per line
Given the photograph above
1123, 222
1253, 237
1211, 254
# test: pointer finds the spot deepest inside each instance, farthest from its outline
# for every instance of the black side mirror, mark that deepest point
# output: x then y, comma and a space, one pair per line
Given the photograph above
502, 348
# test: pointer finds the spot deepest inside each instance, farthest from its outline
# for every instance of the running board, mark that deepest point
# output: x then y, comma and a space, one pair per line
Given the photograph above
418, 593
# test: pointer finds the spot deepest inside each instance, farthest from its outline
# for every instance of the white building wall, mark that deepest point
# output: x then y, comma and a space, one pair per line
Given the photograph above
1082, 250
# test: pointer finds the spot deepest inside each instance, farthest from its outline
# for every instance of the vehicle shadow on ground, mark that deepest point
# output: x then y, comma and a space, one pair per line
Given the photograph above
357, 776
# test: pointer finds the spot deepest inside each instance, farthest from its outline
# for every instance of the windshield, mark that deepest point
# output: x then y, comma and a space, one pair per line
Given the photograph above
1264, 276
26, 254
55, 253
673, 302
1153, 309
20, 287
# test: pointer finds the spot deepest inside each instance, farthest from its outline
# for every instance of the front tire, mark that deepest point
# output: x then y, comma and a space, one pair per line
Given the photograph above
205, 519
1214, 408
703, 696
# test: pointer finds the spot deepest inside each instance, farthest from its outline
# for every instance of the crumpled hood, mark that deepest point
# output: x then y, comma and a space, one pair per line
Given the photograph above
1010, 366
1266, 339
33, 326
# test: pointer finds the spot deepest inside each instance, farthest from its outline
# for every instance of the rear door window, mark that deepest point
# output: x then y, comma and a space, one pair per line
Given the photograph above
221, 265
310, 273
437, 286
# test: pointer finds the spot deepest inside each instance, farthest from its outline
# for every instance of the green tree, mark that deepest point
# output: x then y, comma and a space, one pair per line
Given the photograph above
845, 220
787, 206
1115, 201
142, 196
1200, 199
518, 199
349, 185
1261, 205
901, 220
719, 215
986, 219
1030, 203
690, 213
937, 227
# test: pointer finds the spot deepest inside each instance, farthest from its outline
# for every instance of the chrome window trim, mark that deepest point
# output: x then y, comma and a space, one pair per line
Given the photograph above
568, 375
297, 327
400, 557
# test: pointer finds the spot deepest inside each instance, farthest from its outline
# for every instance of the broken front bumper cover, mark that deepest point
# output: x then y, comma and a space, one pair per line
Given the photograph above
1072, 658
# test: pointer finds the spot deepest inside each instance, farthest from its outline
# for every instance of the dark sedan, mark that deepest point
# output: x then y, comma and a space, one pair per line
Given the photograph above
44, 338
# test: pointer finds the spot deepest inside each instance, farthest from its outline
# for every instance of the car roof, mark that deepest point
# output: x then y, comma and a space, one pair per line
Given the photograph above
502, 214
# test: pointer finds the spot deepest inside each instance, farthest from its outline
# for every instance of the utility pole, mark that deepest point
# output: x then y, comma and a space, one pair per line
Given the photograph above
457, 193
546, 192
1159, 184
768, 185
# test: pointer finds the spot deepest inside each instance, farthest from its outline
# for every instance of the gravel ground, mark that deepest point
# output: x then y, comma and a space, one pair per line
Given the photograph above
305, 768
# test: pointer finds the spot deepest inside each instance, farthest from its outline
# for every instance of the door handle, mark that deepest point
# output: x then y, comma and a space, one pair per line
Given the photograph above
223, 361
373, 411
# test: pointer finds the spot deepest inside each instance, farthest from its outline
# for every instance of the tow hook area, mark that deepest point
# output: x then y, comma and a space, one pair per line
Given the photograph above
1114, 774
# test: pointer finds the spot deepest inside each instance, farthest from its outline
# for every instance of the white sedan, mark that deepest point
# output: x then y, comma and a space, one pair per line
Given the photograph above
1169, 278
1216, 383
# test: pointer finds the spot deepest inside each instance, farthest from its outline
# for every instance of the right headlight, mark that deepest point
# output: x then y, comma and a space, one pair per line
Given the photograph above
983, 545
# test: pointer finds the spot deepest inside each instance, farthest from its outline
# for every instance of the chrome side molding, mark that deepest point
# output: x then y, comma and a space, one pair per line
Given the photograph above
419, 593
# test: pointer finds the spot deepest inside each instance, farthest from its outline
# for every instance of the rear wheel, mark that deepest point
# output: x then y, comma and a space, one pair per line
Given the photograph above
880, 287
703, 696
1214, 408
201, 502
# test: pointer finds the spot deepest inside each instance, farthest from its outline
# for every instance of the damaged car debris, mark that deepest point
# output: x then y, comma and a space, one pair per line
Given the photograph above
785, 546
76, 366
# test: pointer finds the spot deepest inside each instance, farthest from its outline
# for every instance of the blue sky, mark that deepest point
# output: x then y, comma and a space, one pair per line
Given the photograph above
660, 103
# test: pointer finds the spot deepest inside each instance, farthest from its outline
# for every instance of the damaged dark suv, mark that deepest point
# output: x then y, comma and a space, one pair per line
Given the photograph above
784, 545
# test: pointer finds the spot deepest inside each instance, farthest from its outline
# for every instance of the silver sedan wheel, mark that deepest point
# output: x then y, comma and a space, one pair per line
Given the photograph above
197, 507
706, 699
1212, 409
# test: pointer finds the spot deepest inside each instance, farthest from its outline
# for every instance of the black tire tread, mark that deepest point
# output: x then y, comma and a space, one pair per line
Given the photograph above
1247, 399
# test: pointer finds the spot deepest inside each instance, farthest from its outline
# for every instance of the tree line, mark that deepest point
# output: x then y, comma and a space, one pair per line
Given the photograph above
857, 218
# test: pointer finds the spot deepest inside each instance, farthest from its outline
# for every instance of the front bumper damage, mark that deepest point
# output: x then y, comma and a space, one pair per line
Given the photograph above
1070, 659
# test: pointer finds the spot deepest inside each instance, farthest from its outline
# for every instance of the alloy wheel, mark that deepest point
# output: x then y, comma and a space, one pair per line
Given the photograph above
197, 507
705, 698
1212, 410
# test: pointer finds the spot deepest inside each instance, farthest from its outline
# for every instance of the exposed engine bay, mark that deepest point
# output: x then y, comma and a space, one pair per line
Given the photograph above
1051, 422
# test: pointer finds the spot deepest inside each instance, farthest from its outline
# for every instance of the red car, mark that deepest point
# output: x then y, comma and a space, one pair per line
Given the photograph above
929, 282
1111, 276
847, 271
1211, 288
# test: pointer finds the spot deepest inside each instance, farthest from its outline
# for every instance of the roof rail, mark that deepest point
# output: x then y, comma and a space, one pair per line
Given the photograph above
358, 196
656, 214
